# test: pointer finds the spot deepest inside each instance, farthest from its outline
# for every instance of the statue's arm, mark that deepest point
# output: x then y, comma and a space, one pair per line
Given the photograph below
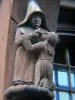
20, 37
36, 47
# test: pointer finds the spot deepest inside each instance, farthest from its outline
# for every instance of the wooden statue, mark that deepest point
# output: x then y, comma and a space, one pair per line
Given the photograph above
35, 54
25, 61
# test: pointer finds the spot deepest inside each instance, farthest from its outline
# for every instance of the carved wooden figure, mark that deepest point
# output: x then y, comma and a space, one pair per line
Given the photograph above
35, 54
44, 63
25, 61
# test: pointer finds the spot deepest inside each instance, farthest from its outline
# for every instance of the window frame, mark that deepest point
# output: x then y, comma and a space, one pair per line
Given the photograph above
63, 67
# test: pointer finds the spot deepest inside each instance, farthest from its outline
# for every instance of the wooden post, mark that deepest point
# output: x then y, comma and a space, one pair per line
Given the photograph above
5, 12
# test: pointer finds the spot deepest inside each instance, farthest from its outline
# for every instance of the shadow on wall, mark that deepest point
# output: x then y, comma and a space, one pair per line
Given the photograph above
0, 2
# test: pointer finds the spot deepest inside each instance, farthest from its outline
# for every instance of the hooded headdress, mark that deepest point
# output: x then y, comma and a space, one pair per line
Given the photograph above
33, 7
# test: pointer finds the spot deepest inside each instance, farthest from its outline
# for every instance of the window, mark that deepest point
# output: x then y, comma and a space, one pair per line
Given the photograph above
64, 62
64, 77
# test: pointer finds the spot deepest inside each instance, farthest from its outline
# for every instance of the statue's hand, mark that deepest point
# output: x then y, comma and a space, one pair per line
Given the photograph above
34, 35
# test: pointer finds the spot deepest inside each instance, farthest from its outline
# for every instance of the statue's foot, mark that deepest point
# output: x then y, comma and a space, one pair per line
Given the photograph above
44, 83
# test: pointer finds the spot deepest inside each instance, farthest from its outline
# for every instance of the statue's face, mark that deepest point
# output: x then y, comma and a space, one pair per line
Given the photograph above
36, 20
44, 36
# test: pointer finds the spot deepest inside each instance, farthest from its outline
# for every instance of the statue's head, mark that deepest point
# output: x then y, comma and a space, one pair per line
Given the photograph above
53, 39
44, 36
36, 20
34, 16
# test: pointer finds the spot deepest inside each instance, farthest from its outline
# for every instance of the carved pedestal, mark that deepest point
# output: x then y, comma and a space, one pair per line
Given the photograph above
28, 93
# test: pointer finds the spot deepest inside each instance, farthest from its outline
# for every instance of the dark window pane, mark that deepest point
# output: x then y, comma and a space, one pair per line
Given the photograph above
60, 54
66, 16
72, 54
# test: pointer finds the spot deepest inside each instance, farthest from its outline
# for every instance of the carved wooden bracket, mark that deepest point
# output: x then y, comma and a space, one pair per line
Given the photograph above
27, 92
